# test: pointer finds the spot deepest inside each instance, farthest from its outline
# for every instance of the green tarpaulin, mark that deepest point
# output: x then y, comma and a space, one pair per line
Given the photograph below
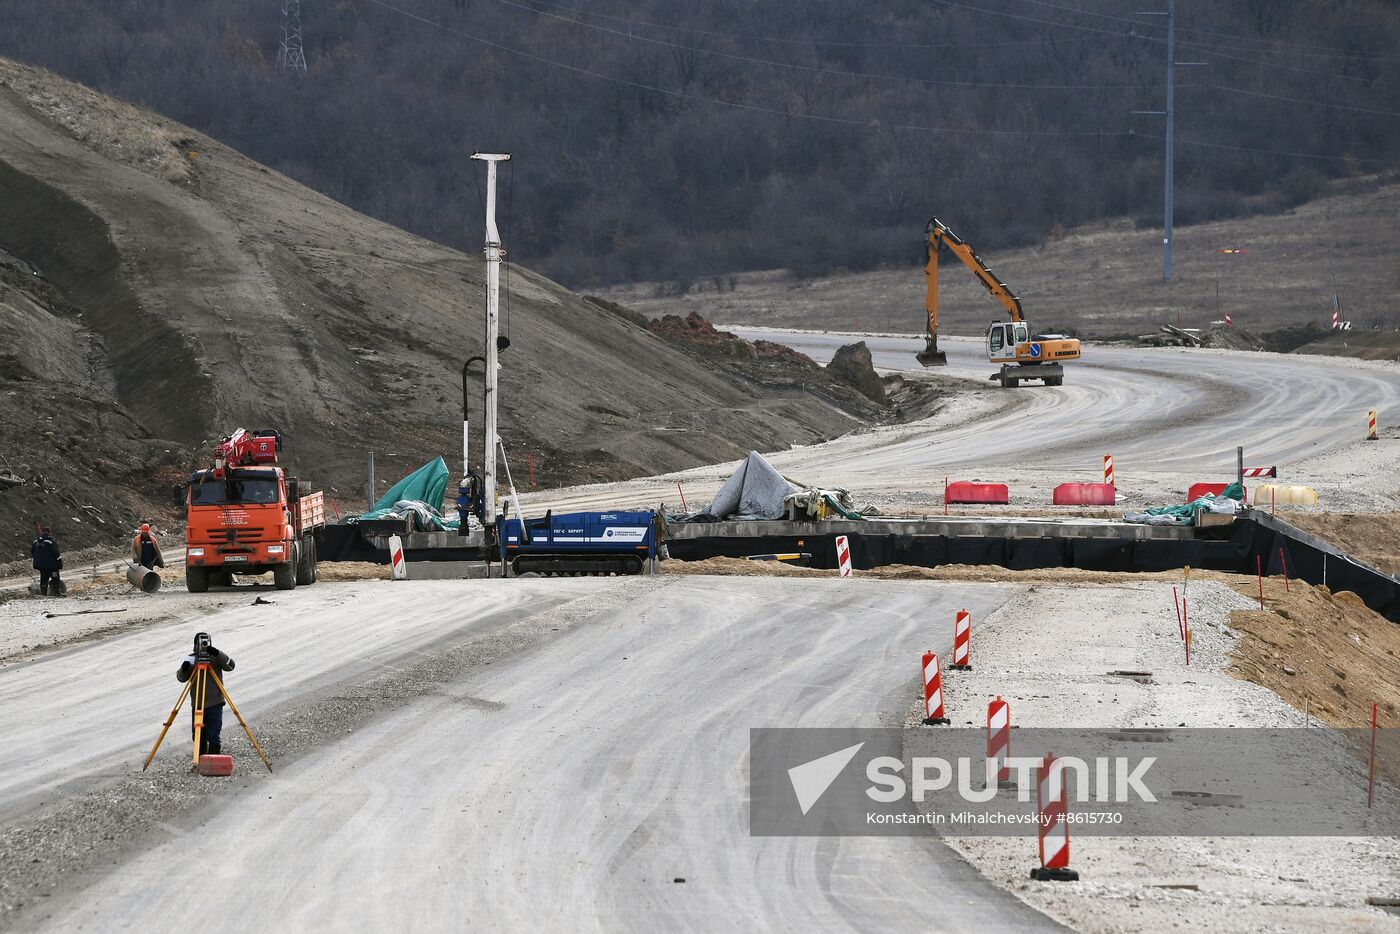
427, 484
1185, 513
421, 494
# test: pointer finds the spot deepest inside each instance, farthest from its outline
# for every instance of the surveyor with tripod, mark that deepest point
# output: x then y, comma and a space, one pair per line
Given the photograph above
213, 700
199, 673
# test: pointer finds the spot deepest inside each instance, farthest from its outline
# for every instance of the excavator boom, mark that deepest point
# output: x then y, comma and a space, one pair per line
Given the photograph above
1019, 354
937, 239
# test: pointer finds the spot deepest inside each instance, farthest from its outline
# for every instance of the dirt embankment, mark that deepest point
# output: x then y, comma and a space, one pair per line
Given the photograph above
1370, 537
158, 290
1325, 653
1367, 344
850, 379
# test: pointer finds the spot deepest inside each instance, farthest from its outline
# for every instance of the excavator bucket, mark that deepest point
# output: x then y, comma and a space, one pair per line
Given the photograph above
931, 355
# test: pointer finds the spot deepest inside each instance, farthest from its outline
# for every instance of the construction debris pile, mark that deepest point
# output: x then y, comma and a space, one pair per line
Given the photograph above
758, 491
1228, 502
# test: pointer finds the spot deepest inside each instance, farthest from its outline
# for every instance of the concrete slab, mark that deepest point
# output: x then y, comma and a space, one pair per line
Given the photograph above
950, 526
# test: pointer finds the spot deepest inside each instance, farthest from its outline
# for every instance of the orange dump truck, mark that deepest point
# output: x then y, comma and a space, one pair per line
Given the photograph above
246, 516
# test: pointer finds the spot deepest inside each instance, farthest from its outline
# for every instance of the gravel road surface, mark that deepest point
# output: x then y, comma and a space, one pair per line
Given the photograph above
576, 782
75, 716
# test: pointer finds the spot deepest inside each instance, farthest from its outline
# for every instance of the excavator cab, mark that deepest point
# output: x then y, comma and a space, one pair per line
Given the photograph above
1002, 340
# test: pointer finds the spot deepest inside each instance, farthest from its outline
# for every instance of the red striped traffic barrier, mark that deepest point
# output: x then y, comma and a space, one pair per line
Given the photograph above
1052, 811
1371, 426
843, 555
999, 738
1085, 494
398, 566
1261, 471
962, 642
933, 691
1108, 470
964, 491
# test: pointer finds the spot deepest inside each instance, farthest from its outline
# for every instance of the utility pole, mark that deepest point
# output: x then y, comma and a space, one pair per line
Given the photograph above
1169, 157
493, 327
1168, 199
291, 56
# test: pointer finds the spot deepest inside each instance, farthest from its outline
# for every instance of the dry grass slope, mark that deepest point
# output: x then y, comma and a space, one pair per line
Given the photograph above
1105, 280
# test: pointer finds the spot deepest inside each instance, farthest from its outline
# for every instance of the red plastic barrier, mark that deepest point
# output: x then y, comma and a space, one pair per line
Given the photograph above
1085, 494
964, 491
1201, 489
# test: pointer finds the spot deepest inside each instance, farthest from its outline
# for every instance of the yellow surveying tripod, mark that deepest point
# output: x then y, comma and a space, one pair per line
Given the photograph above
199, 684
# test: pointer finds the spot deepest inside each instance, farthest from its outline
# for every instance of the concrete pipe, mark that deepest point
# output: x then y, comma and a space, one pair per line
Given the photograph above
147, 580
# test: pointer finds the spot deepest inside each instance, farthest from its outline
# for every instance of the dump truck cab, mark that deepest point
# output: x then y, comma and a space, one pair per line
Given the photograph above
246, 516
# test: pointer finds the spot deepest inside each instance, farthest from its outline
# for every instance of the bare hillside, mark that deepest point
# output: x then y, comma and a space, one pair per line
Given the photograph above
1105, 280
158, 289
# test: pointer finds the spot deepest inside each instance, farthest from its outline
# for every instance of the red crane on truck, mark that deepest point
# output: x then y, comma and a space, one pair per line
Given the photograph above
245, 515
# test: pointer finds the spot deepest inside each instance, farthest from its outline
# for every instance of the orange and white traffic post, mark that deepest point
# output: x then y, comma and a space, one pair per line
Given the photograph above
999, 738
962, 642
843, 555
1108, 470
1052, 824
933, 691
1371, 426
398, 567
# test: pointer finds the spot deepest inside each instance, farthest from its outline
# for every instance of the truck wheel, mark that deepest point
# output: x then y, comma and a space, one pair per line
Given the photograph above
1055, 381
284, 576
315, 560
303, 563
223, 579
196, 579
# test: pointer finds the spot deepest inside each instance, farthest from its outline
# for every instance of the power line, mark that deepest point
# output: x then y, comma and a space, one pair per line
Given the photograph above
1299, 100
1043, 22
788, 40
815, 69
867, 124
1283, 46
1215, 50
1273, 152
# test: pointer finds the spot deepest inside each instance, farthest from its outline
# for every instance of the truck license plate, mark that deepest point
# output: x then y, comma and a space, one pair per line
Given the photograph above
228, 558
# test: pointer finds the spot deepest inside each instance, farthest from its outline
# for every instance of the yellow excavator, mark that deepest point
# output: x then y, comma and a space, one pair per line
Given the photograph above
1021, 356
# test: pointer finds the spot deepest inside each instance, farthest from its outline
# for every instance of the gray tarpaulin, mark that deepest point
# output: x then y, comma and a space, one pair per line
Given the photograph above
754, 491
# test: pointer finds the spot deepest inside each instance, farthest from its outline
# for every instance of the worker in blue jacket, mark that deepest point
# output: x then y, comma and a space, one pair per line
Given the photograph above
48, 561
204, 651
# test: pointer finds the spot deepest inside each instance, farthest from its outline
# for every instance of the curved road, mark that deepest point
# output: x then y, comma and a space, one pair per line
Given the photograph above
1170, 417
1168, 408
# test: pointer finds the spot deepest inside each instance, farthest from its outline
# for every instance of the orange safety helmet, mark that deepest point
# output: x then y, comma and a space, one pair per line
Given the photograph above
145, 526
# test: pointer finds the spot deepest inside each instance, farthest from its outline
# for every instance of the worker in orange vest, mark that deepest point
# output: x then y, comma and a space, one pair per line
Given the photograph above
144, 549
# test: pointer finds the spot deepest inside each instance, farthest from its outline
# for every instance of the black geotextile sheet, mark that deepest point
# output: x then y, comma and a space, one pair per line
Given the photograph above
1248, 541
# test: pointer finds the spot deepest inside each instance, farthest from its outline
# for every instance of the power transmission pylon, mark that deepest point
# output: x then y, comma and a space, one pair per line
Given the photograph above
1169, 158
291, 56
